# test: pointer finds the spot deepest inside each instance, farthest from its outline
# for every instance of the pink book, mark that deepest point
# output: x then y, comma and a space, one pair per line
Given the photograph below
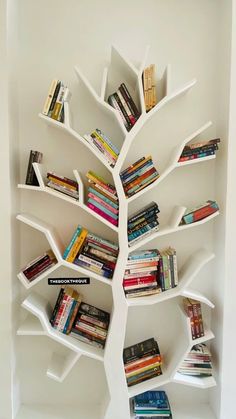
100, 201
102, 214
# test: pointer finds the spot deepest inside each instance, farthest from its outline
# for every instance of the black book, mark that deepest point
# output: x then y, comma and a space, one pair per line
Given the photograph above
54, 98
129, 100
140, 350
35, 157
122, 109
94, 312
57, 306
143, 211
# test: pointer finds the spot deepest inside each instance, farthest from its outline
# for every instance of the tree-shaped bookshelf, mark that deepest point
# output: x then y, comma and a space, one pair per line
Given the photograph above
124, 311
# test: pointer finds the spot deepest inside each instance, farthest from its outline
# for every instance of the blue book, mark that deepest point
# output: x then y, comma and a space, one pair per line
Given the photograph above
138, 173
143, 254
153, 176
150, 400
104, 198
102, 208
142, 231
69, 316
69, 247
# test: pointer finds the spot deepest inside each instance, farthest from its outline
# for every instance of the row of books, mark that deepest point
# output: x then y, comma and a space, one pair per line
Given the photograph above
198, 213
142, 361
198, 362
102, 198
81, 320
100, 141
199, 150
58, 94
34, 157
63, 184
138, 176
149, 87
39, 265
92, 252
122, 101
194, 312
151, 404
143, 222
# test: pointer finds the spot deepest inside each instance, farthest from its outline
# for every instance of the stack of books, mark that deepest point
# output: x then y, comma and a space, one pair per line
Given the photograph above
34, 157
140, 277
197, 362
151, 404
142, 361
194, 312
92, 252
39, 265
91, 325
124, 104
199, 150
102, 198
143, 223
199, 213
63, 184
167, 272
98, 140
58, 94
149, 87
65, 310
139, 175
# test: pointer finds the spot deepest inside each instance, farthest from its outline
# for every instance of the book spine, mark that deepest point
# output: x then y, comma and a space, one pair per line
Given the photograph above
56, 307
126, 107
143, 183
64, 179
61, 311
30, 170
104, 144
103, 241
135, 167
54, 98
49, 97
59, 103
154, 229
146, 211
142, 230
70, 313
199, 214
93, 321
64, 318
72, 242
103, 209
95, 144
99, 180
129, 100
102, 213
72, 317
103, 203
114, 104
40, 267
108, 141
77, 245
132, 281
104, 198
137, 173
103, 190
122, 108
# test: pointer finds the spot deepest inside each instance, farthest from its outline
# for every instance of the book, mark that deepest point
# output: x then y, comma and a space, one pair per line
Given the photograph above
34, 157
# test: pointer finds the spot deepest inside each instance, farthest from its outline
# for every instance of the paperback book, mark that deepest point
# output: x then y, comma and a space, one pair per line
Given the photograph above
122, 101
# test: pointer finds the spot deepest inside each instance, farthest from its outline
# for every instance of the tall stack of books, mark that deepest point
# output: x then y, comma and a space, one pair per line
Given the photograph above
63, 184
194, 312
142, 361
197, 362
140, 277
122, 101
149, 87
58, 94
199, 213
199, 150
35, 157
151, 404
143, 223
92, 252
139, 175
39, 265
91, 325
98, 140
65, 310
168, 273
102, 198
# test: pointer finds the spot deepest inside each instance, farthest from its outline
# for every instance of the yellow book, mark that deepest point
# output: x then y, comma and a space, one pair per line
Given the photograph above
105, 145
60, 182
144, 369
56, 110
77, 245
50, 95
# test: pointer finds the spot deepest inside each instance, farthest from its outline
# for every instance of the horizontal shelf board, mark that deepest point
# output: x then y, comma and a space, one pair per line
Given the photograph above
31, 326
189, 293
29, 187
60, 366
168, 230
58, 411
200, 382
193, 161
38, 306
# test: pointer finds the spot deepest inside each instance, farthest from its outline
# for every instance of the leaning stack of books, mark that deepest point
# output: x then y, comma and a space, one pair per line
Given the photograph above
151, 404
149, 87
92, 252
194, 312
139, 175
199, 213
91, 325
65, 310
143, 223
102, 198
39, 265
98, 140
199, 150
197, 362
124, 104
167, 272
140, 277
58, 94
142, 361
35, 157
63, 184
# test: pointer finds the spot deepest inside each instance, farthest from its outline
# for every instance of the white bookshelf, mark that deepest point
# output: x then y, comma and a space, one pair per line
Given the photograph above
38, 308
